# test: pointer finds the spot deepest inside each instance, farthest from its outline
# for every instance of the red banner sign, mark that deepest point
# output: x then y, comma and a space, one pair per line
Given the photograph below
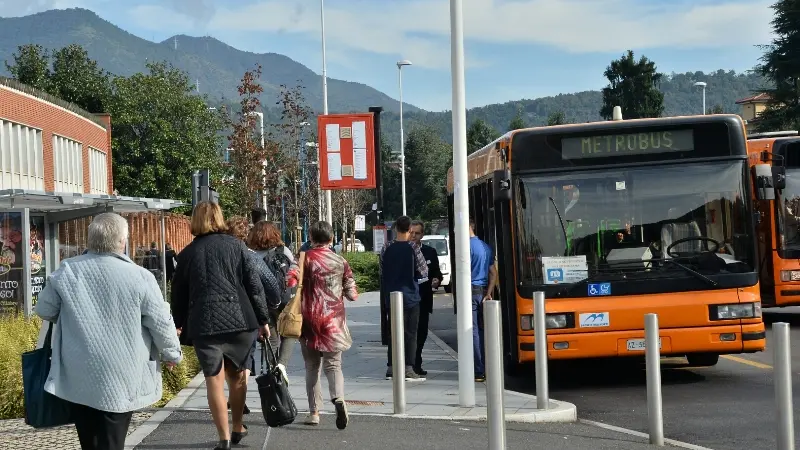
346, 151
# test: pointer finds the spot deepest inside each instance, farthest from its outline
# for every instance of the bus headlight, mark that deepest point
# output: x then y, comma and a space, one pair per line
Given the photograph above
790, 275
526, 322
735, 311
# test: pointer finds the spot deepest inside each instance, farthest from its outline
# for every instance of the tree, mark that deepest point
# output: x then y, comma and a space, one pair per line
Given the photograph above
632, 85
349, 203
479, 135
780, 65
556, 118
31, 66
517, 123
161, 133
78, 79
428, 158
716, 109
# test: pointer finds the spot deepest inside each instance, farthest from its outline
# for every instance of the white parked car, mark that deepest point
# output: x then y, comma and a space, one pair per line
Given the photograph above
441, 244
358, 247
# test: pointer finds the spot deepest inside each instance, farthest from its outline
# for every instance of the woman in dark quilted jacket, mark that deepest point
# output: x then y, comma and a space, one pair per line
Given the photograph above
219, 304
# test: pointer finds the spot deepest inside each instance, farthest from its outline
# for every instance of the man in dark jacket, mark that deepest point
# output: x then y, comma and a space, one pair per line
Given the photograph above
426, 289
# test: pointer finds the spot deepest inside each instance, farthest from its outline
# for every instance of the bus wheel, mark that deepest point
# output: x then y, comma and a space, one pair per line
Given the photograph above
448, 289
702, 359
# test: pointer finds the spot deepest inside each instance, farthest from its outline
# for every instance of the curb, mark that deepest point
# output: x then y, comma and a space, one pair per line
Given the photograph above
161, 414
559, 412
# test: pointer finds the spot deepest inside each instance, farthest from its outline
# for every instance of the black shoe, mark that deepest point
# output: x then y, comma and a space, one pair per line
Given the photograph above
237, 436
480, 378
419, 371
341, 414
223, 445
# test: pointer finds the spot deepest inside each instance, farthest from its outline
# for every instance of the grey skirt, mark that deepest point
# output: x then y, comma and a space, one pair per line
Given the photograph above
234, 349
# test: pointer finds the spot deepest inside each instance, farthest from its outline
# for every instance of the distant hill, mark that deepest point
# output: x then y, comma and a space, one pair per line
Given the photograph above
217, 66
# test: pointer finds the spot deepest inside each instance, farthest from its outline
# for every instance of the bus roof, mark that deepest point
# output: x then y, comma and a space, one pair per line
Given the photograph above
485, 161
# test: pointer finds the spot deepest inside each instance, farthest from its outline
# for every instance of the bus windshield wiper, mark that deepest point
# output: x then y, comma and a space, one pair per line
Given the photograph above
690, 271
560, 220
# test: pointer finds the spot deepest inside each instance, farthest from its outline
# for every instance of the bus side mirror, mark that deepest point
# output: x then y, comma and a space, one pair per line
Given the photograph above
501, 183
765, 190
779, 177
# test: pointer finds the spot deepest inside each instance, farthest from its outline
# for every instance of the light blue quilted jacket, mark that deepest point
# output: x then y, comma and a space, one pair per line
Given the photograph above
112, 329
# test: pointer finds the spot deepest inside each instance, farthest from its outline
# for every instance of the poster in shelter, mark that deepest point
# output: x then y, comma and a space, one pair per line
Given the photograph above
11, 273
38, 266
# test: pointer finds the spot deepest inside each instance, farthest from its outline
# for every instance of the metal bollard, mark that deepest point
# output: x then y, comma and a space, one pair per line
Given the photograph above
653, 365
781, 356
540, 334
398, 354
495, 407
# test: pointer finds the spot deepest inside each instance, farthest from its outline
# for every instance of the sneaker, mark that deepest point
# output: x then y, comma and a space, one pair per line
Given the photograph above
341, 414
412, 376
419, 371
389, 373
282, 368
312, 419
480, 378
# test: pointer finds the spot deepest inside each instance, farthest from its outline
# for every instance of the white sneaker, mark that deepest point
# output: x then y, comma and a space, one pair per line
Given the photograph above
282, 368
312, 419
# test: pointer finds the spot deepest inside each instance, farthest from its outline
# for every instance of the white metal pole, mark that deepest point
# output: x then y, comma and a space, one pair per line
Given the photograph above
783, 385
402, 140
319, 191
466, 360
164, 254
495, 408
328, 201
653, 363
704, 100
540, 345
398, 355
263, 164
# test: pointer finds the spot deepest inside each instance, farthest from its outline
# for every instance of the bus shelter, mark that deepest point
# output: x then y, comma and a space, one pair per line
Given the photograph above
29, 237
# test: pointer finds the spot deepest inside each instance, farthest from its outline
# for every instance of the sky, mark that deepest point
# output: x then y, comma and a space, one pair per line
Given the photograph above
514, 49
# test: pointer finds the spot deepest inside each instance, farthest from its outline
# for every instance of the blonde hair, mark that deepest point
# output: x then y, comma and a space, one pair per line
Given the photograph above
207, 218
238, 226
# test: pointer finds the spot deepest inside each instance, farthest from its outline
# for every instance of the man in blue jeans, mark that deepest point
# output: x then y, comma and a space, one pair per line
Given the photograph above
484, 277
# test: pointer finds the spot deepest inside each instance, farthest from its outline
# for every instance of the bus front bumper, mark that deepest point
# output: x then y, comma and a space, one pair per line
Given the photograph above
724, 339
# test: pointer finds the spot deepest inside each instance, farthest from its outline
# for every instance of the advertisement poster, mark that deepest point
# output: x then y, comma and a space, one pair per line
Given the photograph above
11, 247
38, 267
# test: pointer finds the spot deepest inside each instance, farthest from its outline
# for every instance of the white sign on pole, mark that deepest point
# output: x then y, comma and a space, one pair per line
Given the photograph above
361, 223
378, 239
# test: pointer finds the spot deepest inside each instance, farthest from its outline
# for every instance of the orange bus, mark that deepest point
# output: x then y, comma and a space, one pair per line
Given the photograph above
777, 230
617, 219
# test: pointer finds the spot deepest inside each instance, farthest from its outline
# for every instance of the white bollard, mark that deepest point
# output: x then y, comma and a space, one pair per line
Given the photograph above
653, 367
398, 354
540, 346
495, 405
781, 355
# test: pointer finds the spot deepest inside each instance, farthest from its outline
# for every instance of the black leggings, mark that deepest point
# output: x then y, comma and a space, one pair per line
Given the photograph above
101, 430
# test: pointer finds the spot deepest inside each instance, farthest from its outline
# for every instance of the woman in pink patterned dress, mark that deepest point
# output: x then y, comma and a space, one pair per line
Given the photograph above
327, 281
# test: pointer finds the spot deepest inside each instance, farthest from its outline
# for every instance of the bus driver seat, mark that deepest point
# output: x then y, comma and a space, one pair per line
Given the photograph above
674, 230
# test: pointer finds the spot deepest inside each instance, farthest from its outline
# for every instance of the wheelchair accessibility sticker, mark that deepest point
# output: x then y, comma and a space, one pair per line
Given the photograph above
599, 289
591, 320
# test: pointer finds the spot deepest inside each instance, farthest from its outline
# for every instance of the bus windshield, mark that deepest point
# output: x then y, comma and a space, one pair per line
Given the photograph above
788, 211
633, 221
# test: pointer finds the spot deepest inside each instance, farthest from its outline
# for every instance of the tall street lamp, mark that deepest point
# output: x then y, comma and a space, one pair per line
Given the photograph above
703, 85
328, 201
400, 65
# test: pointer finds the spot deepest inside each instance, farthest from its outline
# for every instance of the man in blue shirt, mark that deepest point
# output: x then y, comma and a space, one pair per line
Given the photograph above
483, 276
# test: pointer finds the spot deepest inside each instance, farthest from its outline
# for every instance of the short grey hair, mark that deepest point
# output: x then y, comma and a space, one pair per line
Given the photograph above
106, 232
418, 223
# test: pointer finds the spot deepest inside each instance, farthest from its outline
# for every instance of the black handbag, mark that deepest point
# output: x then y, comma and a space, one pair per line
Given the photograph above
276, 402
42, 409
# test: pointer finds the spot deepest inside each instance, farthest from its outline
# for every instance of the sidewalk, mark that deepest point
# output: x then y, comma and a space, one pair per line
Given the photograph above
431, 405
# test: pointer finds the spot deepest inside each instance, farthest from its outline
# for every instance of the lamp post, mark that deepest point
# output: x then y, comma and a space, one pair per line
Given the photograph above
703, 85
400, 65
328, 201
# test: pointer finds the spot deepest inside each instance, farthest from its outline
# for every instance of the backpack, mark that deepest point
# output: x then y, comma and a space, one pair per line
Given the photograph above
279, 264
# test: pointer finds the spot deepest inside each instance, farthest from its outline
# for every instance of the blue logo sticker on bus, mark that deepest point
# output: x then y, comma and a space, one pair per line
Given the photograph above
555, 274
599, 289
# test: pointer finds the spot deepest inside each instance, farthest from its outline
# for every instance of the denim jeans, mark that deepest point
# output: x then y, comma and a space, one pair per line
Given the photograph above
478, 292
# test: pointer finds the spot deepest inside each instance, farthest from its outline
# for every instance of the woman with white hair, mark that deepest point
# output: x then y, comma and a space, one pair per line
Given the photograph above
113, 331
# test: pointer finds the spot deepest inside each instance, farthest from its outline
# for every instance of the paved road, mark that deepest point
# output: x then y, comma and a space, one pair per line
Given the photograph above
727, 407
193, 430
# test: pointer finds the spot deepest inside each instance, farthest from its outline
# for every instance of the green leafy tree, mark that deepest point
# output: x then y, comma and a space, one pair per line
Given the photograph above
78, 79
780, 65
632, 85
556, 118
161, 133
716, 109
31, 66
517, 123
479, 135
428, 158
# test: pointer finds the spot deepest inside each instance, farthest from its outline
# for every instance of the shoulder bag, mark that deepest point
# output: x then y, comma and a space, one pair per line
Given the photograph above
42, 409
290, 321
277, 405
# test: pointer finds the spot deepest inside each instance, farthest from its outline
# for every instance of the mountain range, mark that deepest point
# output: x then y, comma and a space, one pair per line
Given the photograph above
218, 67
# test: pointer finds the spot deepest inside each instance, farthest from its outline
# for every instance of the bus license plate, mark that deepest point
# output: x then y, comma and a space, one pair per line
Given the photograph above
639, 344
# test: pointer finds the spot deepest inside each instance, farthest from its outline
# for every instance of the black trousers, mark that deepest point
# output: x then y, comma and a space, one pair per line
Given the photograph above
410, 324
101, 430
422, 336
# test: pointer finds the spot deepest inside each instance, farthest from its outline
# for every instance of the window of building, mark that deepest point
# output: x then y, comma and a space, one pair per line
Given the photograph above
67, 164
21, 157
98, 171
